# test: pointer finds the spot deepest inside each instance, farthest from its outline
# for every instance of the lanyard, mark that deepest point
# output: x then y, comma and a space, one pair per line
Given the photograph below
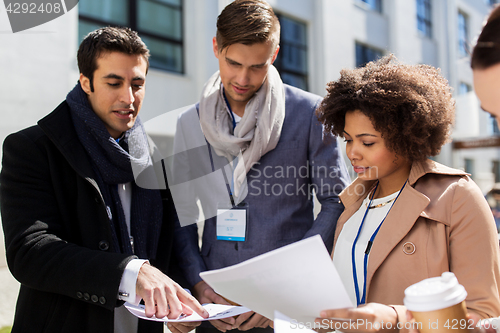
362, 300
234, 126
230, 192
229, 108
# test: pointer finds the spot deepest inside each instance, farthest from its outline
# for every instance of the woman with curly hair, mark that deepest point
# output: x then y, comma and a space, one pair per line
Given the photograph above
406, 217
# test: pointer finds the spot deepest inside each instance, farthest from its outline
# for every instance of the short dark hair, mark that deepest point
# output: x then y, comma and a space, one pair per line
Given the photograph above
108, 39
486, 53
247, 22
411, 106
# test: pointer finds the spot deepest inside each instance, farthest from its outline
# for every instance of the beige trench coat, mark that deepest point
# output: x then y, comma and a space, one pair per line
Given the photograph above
440, 222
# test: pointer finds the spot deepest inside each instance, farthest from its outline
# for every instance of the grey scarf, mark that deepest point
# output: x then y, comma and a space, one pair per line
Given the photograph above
257, 133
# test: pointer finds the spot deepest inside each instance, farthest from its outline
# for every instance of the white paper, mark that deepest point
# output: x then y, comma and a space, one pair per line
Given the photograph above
284, 324
298, 280
215, 311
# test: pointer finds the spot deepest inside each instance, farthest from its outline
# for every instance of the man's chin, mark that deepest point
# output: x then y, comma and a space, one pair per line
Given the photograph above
243, 98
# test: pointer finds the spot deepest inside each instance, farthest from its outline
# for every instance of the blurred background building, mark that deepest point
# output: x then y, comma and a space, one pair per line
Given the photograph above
318, 39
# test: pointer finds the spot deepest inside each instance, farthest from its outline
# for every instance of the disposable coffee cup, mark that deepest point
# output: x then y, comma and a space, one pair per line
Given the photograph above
438, 304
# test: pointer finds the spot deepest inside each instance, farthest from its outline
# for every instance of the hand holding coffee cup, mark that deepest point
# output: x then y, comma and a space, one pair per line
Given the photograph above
438, 304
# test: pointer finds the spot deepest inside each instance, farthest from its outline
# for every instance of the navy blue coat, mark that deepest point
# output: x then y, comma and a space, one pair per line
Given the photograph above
280, 189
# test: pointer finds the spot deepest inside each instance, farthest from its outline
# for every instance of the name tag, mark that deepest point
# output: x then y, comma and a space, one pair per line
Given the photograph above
232, 223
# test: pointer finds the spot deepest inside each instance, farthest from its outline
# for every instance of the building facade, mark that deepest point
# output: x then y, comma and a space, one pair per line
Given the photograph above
319, 38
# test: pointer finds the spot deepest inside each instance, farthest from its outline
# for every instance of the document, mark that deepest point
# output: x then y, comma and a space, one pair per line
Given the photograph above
298, 280
215, 311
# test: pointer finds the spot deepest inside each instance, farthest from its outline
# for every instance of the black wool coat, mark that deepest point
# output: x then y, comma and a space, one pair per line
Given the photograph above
58, 235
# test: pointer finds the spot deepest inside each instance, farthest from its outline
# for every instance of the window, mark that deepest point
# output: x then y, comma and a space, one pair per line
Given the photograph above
494, 125
158, 22
424, 17
496, 171
373, 4
365, 54
464, 88
463, 49
292, 57
469, 166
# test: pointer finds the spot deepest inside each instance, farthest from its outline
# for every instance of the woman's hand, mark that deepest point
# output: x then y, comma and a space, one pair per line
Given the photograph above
371, 317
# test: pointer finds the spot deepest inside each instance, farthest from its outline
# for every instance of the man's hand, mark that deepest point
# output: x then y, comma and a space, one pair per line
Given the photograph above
243, 322
164, 297
183, 327
250, 320
205, 294
374, 316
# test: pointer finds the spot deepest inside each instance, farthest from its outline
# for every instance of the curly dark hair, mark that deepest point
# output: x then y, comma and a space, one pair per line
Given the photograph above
411, 106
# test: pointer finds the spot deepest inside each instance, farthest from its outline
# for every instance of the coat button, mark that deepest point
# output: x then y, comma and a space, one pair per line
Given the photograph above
103, 245
86, 296
94, 298
79, 294
97, 200
409, 248
102, 300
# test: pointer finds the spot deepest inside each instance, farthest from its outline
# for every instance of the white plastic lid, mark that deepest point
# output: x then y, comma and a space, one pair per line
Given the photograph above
434, 293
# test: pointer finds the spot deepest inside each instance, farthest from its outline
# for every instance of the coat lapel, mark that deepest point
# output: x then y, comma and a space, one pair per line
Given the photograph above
58, 126
352, 198
398, 223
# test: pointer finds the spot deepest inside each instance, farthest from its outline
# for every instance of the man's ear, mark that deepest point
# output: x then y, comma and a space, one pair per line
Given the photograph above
275, 54
215, 47
85, 83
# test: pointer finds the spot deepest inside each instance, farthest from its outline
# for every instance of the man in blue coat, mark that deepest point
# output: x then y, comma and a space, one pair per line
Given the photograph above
81, 234
251, 153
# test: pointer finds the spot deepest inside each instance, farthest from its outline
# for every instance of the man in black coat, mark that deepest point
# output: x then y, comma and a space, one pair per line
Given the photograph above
81, 234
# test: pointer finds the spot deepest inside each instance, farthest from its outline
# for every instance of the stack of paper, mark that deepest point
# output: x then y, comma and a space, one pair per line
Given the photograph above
215, 311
